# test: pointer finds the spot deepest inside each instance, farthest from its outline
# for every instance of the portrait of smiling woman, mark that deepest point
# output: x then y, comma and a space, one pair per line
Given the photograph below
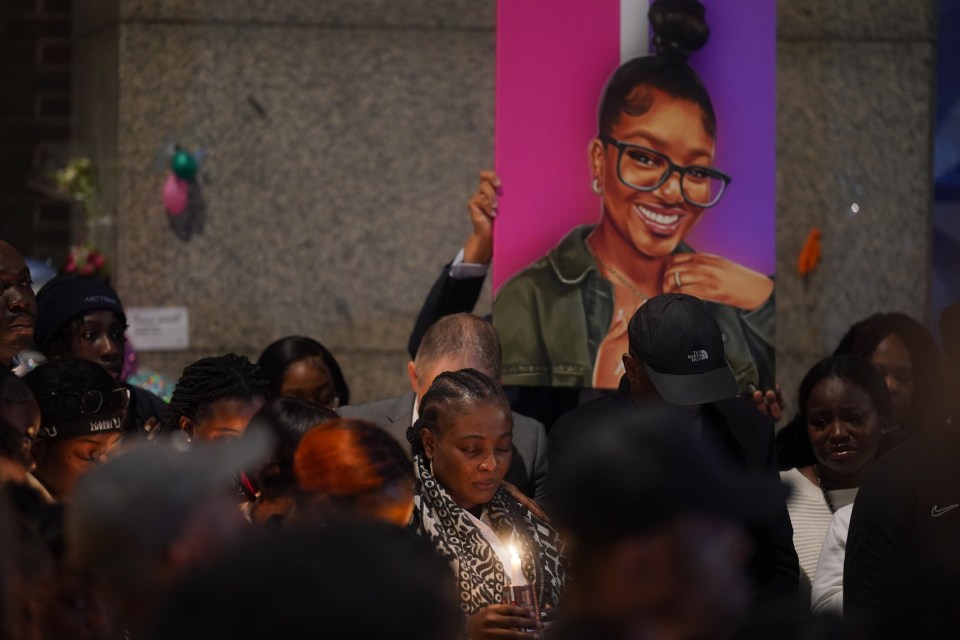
563, 319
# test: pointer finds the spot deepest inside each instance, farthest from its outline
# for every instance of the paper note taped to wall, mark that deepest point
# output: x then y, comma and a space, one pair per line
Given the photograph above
158, 328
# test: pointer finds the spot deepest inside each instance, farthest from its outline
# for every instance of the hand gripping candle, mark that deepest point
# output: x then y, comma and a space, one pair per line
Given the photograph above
518, 592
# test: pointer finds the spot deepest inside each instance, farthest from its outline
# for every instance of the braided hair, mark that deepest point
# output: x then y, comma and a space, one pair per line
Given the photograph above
211, 379
450, 393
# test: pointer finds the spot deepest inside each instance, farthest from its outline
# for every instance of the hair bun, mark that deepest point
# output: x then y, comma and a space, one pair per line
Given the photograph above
679, 28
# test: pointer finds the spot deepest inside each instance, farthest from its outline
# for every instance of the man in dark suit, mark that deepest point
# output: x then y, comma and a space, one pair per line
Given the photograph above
676, 357
457, 342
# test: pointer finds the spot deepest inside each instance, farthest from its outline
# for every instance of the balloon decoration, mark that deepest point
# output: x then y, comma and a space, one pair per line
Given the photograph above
176, 191
182, 196
176, 188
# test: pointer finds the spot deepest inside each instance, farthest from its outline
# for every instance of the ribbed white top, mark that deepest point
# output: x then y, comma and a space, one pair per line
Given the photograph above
811, 518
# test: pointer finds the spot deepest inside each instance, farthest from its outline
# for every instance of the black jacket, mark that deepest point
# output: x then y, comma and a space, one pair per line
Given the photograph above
745, 436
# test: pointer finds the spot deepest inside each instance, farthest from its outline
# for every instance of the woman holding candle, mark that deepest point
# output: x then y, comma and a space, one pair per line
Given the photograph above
462, 448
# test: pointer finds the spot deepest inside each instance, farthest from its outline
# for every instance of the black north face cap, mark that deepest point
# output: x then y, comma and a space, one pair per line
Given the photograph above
681, 347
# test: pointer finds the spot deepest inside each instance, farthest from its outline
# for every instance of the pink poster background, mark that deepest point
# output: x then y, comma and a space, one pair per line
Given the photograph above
553, 59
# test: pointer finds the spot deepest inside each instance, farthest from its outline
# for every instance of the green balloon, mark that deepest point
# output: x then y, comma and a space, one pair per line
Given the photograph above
183, 165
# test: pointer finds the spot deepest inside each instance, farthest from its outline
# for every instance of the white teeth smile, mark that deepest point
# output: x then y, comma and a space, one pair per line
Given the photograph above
659, 218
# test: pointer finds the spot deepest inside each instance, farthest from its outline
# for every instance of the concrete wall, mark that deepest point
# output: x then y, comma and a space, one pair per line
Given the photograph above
330, 214
854, 125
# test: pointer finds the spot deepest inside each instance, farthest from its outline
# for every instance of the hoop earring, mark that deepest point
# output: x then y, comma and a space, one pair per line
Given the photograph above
596, 187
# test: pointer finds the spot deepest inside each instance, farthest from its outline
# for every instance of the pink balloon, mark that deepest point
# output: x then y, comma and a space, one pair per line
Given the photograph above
175, 192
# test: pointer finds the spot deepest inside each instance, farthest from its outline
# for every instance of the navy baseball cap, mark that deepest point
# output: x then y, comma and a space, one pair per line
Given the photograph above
681, 347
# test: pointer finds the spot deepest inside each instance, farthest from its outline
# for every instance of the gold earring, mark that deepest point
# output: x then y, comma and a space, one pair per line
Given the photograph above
596, 187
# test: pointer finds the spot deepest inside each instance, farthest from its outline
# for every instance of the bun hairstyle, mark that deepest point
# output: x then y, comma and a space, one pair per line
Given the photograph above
679, 29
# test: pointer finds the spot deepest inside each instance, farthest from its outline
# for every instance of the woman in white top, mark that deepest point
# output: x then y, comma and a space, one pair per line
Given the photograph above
843, 407
827, 593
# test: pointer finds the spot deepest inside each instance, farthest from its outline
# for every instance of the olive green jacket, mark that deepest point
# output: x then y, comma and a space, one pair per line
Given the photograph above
553, 315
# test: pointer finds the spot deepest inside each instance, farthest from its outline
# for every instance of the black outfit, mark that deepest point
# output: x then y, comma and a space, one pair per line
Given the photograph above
143, 406
745, 438
904, 536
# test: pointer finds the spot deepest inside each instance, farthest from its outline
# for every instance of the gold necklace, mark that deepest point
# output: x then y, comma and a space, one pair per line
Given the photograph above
619, 276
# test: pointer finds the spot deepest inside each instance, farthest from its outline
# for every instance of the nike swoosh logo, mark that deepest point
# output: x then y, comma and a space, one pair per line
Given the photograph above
936, 513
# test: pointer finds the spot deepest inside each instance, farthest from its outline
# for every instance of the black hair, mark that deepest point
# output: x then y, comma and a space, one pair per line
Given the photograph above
862, 339
348, 579
60, 342
11, 442
279, 355
793, 442
452, 391
679, 29
12, 388
68, 375
287, 419
211, 379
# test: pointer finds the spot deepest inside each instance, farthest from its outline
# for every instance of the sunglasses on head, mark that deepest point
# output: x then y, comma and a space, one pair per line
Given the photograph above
86, 403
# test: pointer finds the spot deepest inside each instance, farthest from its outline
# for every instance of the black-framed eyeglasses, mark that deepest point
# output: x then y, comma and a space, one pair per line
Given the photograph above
645, 169
85, 403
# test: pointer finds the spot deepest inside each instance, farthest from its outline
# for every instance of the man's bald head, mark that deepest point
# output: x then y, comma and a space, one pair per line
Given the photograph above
18, 304
454, 342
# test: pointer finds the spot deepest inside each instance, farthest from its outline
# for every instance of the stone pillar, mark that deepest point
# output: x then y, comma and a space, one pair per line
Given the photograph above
855, 114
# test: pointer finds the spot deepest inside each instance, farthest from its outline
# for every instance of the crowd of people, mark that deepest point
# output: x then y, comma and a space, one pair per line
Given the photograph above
260, 502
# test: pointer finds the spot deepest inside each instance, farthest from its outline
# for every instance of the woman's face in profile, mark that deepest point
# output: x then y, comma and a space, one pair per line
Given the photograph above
892, 359
654, 222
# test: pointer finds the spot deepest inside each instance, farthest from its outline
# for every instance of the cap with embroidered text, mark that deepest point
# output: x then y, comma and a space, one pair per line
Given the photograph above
680, 346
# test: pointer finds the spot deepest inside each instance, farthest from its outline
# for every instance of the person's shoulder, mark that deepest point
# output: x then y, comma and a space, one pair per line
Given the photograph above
146, 403
740, 411
527, 281
563, 264
930, 450
526, 422
377, 410
591, 412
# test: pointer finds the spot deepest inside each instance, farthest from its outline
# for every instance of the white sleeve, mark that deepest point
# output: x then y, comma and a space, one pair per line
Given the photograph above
461, 270
827, 593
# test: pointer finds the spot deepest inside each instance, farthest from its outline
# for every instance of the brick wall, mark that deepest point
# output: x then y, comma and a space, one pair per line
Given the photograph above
35, 53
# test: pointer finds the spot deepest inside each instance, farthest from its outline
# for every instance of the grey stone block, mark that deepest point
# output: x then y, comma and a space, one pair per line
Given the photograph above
424, 14
837, 21
853, 129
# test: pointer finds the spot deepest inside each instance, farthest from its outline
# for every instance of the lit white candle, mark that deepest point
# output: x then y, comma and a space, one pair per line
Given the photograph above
516, 570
